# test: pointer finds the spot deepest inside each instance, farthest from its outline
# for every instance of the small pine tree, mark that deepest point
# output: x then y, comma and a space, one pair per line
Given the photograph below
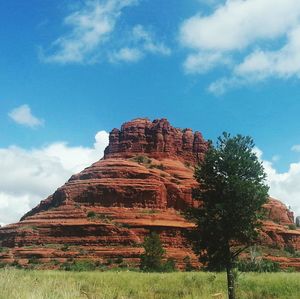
232, 191
151, 259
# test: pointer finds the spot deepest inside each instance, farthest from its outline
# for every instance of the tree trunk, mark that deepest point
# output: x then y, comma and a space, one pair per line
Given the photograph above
230, 282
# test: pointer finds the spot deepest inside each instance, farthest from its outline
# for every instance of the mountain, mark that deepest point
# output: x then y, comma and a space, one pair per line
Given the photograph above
143, 183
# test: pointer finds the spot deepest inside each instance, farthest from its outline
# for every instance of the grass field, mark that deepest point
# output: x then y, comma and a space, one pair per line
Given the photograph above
122, 285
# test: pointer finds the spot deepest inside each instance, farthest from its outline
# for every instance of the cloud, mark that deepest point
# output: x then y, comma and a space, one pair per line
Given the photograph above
283, 186
23, 116
282, 63
203, 62
126, 55
147, 40
259, 38
28, 176
91, 26
95, 37
296, 148
220, 86
139, 43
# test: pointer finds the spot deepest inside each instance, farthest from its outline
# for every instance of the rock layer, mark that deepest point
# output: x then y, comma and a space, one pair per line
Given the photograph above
142, 184
157, 139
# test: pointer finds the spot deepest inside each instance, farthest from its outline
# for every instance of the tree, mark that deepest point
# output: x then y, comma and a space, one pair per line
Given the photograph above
231, 193
151, 259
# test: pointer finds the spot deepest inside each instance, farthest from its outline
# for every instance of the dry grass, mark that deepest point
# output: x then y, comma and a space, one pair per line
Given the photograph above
133, 285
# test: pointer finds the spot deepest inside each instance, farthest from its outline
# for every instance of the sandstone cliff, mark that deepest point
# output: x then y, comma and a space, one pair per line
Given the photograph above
142, 184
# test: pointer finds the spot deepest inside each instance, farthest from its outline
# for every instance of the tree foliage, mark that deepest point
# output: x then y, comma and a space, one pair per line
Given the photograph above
231, 192
151, 259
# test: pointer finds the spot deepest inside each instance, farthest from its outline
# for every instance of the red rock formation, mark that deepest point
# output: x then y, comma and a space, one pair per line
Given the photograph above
105, 211
279, 213
156, 139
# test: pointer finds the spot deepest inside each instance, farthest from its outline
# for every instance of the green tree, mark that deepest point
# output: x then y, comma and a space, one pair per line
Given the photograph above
151, 259
231, 192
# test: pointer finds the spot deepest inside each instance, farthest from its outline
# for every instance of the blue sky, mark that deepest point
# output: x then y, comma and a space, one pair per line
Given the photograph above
70, 69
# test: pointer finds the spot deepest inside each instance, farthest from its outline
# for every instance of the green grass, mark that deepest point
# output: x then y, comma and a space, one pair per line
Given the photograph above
133, 285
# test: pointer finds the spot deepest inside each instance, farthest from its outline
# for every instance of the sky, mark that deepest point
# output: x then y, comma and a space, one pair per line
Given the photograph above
72, 70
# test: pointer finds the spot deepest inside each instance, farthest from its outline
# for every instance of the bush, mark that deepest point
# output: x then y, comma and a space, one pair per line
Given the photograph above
33, 260
160, 166
169, 266
187, 164
188, 265
257, 266
292, 226
79, 266
151, 259
119, 260
65, 247
3, 249
141, 159
91, 214
296, 254
290, 249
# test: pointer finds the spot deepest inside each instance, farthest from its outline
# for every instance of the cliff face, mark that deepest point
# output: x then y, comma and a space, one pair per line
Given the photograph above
104, 212
157, 139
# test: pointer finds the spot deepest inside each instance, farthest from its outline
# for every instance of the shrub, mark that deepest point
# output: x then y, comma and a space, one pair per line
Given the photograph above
79, 266
290, 249
149, 211
16, 265
187, 164
65, 247
292, 226
3, 249
141, 159
33, 260
119, 260
99, 216
151, 259
188, 265
257, 266
160, 166
109, 262
91, 214
169, 265
296, 254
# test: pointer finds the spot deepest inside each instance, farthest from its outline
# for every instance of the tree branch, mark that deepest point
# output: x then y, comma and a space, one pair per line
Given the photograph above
236, 253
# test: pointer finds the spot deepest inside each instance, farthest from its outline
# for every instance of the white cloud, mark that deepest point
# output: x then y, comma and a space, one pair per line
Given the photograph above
203, 62
28, 176
95, 37
126, 55
147, 41
91, 26
139, 43
284, 62
22, 115
250, 31
283, 186
296, 148
220, 86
